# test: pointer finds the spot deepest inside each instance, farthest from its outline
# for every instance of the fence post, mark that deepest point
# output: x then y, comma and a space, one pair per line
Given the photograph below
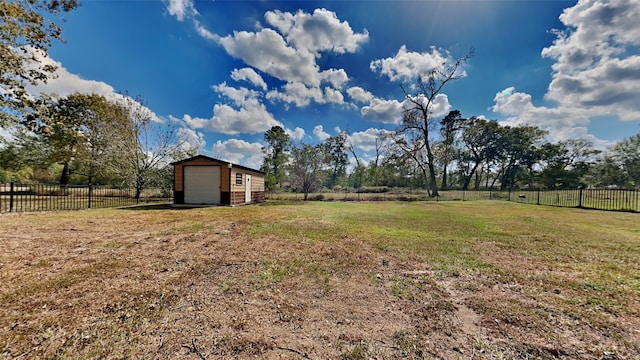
89, 204
538, 198
580, 197
11, 197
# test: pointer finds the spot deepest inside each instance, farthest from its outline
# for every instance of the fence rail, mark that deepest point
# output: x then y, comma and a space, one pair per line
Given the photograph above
39, 197
598, 199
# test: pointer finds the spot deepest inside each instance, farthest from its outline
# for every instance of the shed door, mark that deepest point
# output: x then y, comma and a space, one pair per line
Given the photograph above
247, 191
202, 184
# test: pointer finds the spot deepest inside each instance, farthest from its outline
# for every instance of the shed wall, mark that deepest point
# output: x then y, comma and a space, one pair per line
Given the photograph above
231, 194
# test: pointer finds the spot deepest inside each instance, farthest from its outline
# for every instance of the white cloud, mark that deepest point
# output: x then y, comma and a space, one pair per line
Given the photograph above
295, 134
250, 75
439, 105
319, 132
407, 65
247, 115
562, 123
268, 52
204, 32
317, 32
190, 139
359, 94
238, 96
297, 93
336, 77
368, 140
239, 152
63, 83
384, 111
333, 96
250, 118
181, 9
597, 66
301, 95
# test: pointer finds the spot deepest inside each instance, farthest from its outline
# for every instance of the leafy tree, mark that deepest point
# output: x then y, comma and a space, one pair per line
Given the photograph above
413, 134
78, 131
518, 149
305, 168
481, 139
626, 154
276, 157
337, 158
620, 166
24, 31
449, 126
566, 163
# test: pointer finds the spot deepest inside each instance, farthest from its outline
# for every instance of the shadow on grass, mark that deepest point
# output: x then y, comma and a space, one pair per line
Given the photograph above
147, 207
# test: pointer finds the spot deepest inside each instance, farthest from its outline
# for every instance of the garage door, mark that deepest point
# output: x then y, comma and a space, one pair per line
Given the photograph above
202, 184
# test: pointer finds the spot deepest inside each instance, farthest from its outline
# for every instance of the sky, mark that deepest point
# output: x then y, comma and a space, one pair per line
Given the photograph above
224, 72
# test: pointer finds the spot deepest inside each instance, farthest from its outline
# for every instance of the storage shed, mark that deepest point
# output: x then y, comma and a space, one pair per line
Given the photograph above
203, 180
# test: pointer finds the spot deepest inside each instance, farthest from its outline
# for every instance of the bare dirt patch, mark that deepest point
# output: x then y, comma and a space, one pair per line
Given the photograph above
200, 284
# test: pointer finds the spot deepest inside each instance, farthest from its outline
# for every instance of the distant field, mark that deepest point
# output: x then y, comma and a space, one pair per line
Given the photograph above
322, 280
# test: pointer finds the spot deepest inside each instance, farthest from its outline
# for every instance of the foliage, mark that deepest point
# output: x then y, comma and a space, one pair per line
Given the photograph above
276, 157
306, 163
413, 134
145, 146
25, 36
620, 166
337, 158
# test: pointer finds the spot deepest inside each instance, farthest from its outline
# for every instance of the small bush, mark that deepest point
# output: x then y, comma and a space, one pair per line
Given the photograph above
373, 189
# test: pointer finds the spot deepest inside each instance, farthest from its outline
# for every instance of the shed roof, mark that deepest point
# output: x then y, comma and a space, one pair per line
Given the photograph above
214, 159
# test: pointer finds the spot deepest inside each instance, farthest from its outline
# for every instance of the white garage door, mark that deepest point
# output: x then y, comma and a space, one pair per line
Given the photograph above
202, 184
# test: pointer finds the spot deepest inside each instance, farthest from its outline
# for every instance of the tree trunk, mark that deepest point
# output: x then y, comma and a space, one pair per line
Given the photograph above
444, 177
65, 176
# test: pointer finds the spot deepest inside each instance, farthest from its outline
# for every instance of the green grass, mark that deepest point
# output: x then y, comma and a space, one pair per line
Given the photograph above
538, 278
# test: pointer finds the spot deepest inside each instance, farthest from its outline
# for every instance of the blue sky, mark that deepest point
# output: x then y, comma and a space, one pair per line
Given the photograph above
226, 71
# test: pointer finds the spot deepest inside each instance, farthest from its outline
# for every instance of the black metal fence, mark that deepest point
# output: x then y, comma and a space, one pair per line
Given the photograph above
38, 197
599, 199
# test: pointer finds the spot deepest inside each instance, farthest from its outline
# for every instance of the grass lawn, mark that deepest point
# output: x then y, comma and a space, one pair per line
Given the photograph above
322, 280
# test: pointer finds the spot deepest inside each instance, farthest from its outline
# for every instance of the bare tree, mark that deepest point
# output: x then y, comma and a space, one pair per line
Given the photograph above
305, 168
146, 144
413, 134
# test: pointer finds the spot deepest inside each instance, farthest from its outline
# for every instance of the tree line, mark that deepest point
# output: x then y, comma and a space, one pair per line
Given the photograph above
452, 152
89, 139
471, 153
74, 139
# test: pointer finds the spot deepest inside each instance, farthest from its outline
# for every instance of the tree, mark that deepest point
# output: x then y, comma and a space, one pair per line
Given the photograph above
24, 31
336, 156
621, 164
518, 149
145, 145
278, 143
78, 131
481, 139
95, 125
449, 126
566, 163
413, 134
305, 168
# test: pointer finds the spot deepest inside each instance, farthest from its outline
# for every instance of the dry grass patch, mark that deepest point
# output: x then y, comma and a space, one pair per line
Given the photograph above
322, 280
